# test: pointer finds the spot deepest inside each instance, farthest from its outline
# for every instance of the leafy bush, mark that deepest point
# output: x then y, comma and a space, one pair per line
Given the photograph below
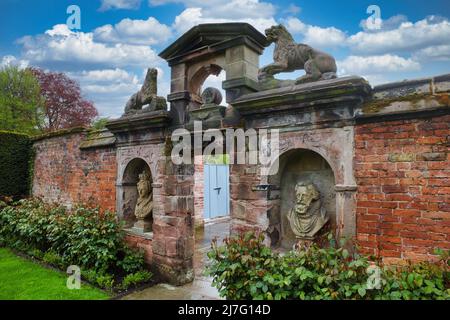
36, 253
132, 261
53, 259
83, 236
15, 160
136, 278
246, 269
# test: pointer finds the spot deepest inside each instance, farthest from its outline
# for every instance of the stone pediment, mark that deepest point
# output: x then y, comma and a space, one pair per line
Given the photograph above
212, 37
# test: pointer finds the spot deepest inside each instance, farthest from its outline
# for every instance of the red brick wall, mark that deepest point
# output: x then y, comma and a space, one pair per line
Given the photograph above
402, 170
141, 243
65, 174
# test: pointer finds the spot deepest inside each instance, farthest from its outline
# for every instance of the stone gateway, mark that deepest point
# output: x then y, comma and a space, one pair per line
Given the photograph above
369, 163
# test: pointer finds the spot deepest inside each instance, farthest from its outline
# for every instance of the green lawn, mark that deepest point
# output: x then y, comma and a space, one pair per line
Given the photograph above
21, 279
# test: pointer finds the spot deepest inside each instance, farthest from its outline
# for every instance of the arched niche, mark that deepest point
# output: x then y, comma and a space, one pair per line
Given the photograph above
306, 166
129, 195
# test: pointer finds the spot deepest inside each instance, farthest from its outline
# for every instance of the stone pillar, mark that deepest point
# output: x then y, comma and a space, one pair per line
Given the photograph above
249, 204
242, 65
173, 235
179, 96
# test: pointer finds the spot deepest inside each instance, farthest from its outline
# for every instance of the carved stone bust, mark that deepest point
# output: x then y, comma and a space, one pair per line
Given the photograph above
144, 204
211, 96
308, 216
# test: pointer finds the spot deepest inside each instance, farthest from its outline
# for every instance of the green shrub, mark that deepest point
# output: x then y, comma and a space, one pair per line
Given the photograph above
105, 281
83, 237
36, 253
246, 269
133, 260
15, 160
53, 259
136, 278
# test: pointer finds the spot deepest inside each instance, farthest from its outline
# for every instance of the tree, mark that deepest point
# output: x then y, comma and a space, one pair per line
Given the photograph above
21, 106
64, 105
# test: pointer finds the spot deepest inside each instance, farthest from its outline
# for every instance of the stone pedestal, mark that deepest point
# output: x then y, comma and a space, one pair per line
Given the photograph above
142, 226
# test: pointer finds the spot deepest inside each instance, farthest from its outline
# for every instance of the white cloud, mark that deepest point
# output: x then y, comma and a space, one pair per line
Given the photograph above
108, 88
295, 25
292, 9
436, 53
140, 32
9, 60
106, 75
315, 35
408, 36
119, 4
232, 9
389, 24
194, 16
376, 64
60, 46
324, 37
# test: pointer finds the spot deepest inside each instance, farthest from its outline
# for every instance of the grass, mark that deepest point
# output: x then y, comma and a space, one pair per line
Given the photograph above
21, 279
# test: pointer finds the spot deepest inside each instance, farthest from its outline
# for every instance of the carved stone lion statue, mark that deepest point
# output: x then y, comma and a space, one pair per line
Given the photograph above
146, 96
290, 56
308, 216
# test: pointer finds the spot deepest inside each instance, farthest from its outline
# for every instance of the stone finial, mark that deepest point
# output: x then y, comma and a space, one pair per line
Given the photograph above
308, 216
146, 96
290, 56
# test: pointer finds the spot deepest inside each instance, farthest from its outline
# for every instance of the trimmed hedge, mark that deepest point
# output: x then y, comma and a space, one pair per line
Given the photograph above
15, 161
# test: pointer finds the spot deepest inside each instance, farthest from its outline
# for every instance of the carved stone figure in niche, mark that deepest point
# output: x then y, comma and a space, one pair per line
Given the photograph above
290, 56
144, 204
146, 96
308, 216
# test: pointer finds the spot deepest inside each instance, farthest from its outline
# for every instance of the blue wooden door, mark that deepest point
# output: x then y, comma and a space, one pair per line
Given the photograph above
217, 196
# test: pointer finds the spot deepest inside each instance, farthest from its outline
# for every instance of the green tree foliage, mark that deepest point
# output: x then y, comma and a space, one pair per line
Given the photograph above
99, 123
21, 105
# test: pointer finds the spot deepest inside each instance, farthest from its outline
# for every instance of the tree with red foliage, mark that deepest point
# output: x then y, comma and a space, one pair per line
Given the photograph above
64, 105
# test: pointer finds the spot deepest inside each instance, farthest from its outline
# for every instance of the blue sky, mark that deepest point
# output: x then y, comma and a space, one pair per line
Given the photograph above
119, 39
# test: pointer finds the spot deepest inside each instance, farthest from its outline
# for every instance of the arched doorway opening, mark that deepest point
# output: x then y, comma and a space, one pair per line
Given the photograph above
300, 169
135, 170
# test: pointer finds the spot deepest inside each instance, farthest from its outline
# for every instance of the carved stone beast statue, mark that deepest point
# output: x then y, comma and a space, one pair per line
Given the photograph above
146, 96
290, 56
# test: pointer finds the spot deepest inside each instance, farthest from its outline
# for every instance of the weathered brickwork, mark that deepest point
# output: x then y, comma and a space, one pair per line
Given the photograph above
141, 243
65, 174
402, 170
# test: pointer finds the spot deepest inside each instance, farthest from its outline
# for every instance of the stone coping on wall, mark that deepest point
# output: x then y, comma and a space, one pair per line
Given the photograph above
144, 120
430, 85
98, 138
93, 139
135, 233
59, 133
407, 99
291, 97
